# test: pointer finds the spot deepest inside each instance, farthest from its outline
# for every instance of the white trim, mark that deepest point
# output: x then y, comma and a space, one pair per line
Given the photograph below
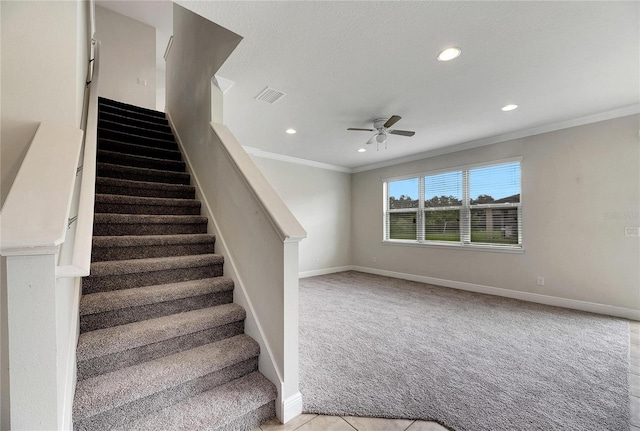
273, 372
324, 271
456, 245
592, 307
289, 159
71, 374
603, 116
291, 407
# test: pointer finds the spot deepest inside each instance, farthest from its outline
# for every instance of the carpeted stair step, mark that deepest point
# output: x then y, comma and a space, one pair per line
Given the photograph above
142, 224
146, 246
137, 139
139, 130
240, 405
104, 108
150, 189
110, 349
119, 307
116, 204
125, 274
103, 102
141, 174
125, 117
138, 150
113, 399
123, 159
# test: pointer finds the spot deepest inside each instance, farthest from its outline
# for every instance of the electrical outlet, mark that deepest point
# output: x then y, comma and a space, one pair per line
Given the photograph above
632, 231
540, 281
142, 82
374, 259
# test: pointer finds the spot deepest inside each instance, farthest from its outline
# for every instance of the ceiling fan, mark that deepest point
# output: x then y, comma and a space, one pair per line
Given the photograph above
381, 126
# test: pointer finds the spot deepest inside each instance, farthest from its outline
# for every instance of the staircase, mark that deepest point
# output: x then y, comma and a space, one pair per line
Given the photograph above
162, 345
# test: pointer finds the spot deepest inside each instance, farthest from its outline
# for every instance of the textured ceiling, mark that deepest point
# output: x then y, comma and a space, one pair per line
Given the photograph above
344, 64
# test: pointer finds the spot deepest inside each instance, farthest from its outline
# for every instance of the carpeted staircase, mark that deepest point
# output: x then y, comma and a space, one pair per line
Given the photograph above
162, 345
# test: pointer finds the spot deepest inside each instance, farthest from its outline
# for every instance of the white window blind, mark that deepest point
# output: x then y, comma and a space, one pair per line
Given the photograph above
479, 205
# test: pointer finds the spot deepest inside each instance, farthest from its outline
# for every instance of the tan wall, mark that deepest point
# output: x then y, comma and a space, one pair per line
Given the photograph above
321, 200
44, 57
580, 189
128, 53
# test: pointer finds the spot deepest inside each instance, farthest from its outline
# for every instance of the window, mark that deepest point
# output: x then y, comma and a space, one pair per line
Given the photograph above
469, 207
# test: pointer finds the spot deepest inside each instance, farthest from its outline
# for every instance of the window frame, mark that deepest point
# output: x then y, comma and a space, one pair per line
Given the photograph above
465, 209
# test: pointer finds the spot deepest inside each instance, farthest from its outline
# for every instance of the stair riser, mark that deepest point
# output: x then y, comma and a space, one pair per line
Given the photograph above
136, 139
125, 118
101, 254
91, 322
93, 284
143, 129
104, 109
140, 162
134, 174
140, 408
111, 208
101, 229
186, 193
135, 111
138, 150
116, 361
251, 420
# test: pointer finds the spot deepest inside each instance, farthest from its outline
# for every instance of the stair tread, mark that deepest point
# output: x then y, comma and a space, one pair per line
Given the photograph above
148, 171
146, 159
142, 184
115, 339
132, 266
102, 302
147, 219
110, 122
108, 391
140, 240
142, 200
168, 152
116, 118
214, 408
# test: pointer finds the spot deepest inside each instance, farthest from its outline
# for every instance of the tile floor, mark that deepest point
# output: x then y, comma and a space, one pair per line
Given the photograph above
349, 423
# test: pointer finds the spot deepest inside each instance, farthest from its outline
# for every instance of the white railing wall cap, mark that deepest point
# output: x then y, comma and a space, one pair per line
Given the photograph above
36, 212
281, 217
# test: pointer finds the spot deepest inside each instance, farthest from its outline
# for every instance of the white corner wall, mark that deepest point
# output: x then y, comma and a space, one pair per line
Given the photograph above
321, 200
580, 189
127, 54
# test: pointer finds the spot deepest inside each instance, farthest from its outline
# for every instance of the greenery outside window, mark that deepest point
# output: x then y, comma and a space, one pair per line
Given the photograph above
478, 205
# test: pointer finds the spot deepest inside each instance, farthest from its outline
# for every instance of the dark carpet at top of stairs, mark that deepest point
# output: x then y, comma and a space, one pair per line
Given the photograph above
160, 333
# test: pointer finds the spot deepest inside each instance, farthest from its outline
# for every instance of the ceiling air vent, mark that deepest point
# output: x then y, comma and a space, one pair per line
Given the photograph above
270, 95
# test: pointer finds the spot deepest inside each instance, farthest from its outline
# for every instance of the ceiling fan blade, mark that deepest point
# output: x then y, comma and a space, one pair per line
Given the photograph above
401, 132
364, 130
372, 140
391, 121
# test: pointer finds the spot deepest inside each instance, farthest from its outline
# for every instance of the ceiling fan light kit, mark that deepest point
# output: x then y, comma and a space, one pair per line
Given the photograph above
381, 127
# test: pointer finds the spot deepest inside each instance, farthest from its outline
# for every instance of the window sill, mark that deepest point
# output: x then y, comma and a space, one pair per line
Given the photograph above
457, 246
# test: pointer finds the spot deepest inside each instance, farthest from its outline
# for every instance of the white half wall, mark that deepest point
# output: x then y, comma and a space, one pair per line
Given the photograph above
127, 57
321, 201
580, 189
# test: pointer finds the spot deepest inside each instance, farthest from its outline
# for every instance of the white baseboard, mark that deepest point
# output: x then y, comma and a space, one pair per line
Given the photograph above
324, 271
291, 407
592, 307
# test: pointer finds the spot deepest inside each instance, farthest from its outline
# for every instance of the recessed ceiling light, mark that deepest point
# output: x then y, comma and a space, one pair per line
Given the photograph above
509, 107
361, 150
291, 131
449, 53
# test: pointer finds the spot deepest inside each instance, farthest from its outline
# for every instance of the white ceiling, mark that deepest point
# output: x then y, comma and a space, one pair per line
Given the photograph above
344, 64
